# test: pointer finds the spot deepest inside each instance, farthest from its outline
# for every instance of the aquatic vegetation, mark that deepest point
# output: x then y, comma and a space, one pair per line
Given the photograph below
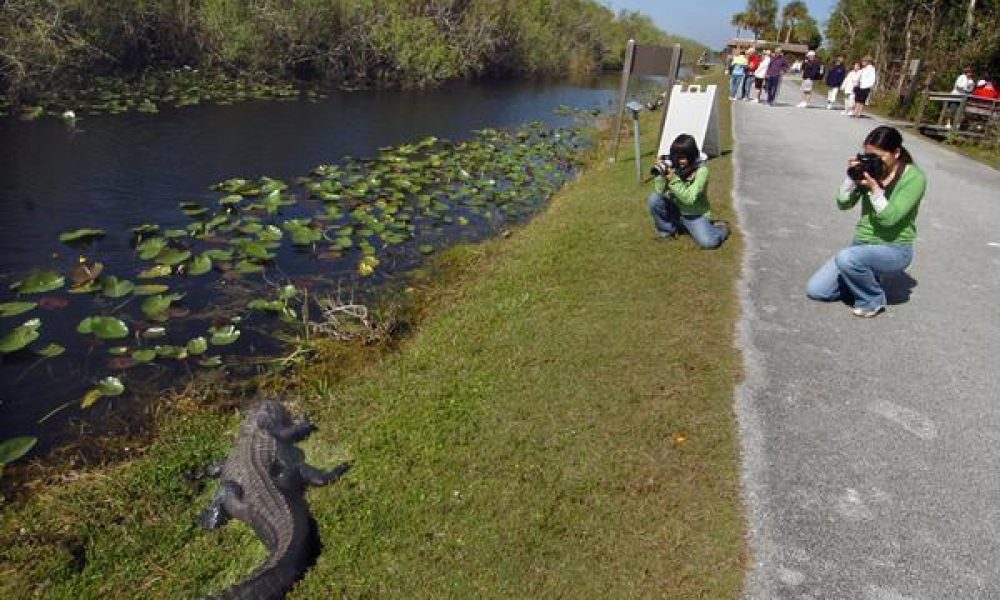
217, 277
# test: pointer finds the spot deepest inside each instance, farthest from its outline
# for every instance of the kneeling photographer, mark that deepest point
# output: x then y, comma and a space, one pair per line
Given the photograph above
889, 187
680, 198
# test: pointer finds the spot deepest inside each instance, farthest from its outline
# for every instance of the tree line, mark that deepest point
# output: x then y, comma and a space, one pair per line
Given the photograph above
56, 44
795, 26
945, 35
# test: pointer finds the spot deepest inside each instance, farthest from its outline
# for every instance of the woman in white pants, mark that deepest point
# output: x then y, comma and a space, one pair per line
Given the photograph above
850, 82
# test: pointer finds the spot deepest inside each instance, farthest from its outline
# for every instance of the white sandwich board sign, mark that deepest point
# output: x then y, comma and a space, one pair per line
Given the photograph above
694, 111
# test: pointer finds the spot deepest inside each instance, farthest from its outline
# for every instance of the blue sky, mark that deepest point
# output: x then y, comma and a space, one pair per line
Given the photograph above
706, 20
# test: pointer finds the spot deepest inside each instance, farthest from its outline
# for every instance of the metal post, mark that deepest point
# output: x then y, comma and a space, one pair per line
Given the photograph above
622, 92
638, 150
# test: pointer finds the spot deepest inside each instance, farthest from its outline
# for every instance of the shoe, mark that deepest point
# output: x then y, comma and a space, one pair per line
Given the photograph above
801, 105
867, 313
829, 107
666, 237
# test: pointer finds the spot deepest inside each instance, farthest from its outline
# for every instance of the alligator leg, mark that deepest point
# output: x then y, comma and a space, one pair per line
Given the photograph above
296, 432
216, 515
314, 476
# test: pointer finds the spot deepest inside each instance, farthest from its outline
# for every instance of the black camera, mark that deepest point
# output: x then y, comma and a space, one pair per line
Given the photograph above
867, 163
660, 170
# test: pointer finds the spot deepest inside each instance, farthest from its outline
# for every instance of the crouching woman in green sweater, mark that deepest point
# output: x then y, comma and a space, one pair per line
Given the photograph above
679, 201
883, 237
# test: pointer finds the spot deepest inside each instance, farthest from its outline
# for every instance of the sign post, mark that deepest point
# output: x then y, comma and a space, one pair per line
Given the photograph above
646, 59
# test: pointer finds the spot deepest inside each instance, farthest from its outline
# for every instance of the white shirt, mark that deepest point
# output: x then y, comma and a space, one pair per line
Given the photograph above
761, 71
868, 77
851, 81
963, 85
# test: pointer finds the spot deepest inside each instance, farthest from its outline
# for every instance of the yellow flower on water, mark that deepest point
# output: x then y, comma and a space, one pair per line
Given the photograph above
82, 259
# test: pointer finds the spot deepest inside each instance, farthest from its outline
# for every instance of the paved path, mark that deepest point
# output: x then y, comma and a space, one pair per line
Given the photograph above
871, 446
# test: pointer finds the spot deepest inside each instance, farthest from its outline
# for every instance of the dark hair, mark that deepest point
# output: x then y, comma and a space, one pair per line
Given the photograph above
889, 139
685, 146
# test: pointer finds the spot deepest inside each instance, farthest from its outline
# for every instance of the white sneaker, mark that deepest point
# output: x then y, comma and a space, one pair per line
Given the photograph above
801, 105
866, 313
829, 107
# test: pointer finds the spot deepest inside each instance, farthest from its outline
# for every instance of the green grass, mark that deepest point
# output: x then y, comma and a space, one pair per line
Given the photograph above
560, 425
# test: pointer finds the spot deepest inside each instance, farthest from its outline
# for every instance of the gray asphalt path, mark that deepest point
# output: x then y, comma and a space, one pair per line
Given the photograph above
871, 446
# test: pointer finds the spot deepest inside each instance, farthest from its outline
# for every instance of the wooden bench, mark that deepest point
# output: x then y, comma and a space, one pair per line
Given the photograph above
981, 110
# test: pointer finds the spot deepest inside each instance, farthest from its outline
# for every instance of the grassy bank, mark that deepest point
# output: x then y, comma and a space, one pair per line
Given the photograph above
560, 425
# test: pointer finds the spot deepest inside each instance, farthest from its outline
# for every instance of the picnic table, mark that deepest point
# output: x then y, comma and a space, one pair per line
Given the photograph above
981, 110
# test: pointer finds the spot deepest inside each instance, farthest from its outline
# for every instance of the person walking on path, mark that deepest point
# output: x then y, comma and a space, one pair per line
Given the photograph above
866, 84
812, 71
737, 71
760, 75
834, 79
777, 67
679, 201
890, 196
753, 61
851, 80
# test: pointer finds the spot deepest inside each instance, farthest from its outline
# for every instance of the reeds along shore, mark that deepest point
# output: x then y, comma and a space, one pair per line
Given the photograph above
58, 44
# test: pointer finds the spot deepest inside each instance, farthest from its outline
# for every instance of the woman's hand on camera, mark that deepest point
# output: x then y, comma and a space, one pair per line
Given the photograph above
871, 183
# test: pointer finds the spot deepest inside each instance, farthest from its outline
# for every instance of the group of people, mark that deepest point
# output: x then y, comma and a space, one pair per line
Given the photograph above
966, 84
889, 195
756, 77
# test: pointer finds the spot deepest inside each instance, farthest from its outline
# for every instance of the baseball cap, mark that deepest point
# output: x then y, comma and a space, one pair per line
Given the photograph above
811, 53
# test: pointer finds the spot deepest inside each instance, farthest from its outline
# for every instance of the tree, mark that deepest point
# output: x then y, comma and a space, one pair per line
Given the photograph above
792, 15
739, 21
762, 15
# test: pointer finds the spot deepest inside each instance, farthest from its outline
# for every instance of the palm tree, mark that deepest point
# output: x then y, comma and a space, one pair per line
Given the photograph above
791, 15
760, 16
739, 21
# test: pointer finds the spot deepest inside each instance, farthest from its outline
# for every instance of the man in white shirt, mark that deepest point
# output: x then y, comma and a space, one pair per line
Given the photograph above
964, 84
866, 83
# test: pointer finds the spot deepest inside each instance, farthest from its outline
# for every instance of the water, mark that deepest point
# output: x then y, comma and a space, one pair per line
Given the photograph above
117, 172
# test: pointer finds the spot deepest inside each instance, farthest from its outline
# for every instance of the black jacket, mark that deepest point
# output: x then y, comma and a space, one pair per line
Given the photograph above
812, 69
836, 76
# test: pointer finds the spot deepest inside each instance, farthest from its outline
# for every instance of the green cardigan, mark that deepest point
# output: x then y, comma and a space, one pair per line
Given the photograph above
691, 196
894, 224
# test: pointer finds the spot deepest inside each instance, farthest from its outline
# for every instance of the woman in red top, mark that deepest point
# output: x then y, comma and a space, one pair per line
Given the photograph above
985, 89
753, 61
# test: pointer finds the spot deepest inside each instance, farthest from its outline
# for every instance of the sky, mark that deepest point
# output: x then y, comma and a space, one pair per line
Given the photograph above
706, 21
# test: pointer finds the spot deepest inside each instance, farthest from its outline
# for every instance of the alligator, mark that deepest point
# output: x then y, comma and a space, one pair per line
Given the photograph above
262, 483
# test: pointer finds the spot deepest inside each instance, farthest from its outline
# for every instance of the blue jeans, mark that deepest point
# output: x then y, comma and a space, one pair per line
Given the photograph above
735, 85
669, 220
772, 84
856, 270
747, 85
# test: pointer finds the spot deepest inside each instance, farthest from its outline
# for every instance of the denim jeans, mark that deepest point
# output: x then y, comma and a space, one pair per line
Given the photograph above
856, 270
735, 85
669, 220
748, 84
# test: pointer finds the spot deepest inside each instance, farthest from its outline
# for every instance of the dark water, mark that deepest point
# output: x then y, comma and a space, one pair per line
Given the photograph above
117, 172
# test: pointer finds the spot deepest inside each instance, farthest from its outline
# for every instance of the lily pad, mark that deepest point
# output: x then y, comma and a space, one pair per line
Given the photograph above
151, 333
223, 335
81, 235
155, 307
39, 281
171, 351
144, 356
10, 309
150, 288
15, 448
199, 265
51, 350
118, 350
173, 256
105, 328
111, 386
112, 287
211, 361
151, 248
156, 272
21, 336
196, 346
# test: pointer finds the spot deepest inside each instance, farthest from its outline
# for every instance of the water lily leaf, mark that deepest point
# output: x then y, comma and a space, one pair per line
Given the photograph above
39, 281
144, 356
230, 200
247, 267
211, 361
193, 209
287, 292
425, 249
118, 350
112, 287
149, 289
253, 249
151, 333
15, 448
155, 306
90, 398
196, 346
145, 229
21, 336
85, 288
81, 234
266, 305
173, 256
51, 350
218, 254
175, 233
269, 233
223, 335
170, 351
106, 328
9, 309
199, 265
150, 248
111, 386
155, 272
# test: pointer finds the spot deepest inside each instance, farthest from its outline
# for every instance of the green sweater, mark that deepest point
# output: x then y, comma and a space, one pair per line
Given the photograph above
691, 196
896, 222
